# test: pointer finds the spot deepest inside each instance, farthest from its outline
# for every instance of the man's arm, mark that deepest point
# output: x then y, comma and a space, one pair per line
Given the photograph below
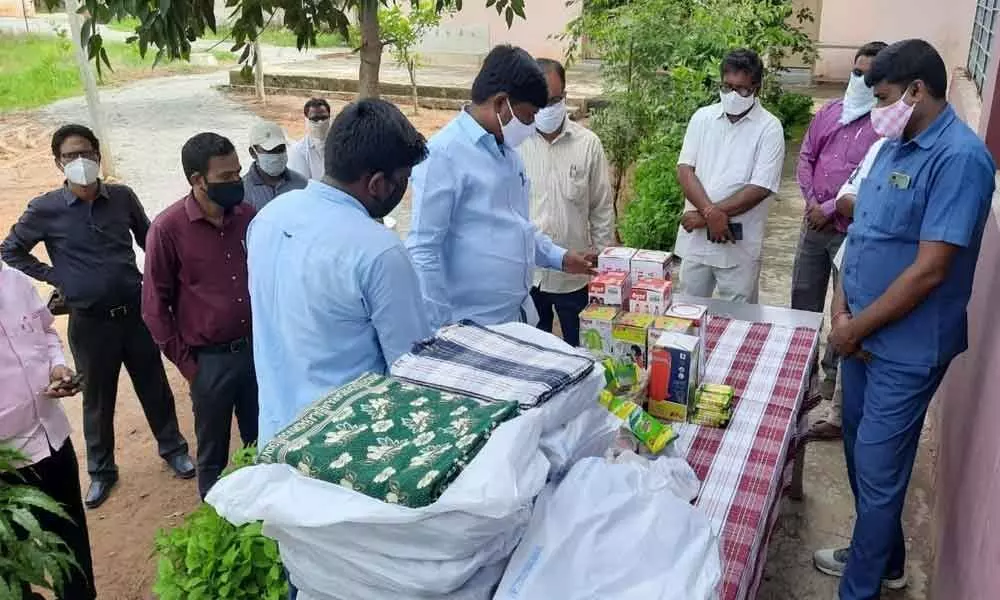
23, 236
602, 201
392, 294
809, 154
138, 220
434, 192
159, 295
53, 345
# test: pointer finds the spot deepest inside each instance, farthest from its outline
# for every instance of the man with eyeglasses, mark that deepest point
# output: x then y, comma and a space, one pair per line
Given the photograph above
87, 227
306, 155
729, 165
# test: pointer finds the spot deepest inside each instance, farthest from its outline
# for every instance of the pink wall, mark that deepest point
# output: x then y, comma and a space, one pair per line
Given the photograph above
846, 24
544, 19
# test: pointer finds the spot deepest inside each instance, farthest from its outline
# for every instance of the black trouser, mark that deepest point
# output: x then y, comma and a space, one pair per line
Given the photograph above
225, 383
101, 343
568, 306
58, 477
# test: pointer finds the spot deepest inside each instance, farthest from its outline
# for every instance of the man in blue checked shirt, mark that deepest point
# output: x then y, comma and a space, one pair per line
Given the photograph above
471, 238
900, 315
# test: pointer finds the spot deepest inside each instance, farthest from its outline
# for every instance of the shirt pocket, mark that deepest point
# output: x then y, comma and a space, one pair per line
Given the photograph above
897, 212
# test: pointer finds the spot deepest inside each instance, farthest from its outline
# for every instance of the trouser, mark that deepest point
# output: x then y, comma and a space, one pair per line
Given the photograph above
568, 308
100, 345
811, 278
884, 408
59, 478
225, 383
735, 284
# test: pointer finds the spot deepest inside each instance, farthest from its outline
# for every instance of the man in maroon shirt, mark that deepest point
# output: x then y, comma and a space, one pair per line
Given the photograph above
196, 300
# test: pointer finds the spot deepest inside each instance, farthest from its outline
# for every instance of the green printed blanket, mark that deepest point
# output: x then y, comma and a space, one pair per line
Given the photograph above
391, 440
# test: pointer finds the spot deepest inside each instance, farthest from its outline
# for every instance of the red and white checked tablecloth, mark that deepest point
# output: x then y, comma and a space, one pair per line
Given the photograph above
742, 467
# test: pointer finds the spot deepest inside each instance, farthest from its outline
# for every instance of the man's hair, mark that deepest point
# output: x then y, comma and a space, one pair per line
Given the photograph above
73, 130
743, 60
870, 49
548, 65
512, 70
371, 136
904, 62
315, 103
198, 150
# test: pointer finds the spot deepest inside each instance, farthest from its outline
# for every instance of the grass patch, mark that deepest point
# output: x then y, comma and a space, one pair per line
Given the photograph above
272, 36
36, 70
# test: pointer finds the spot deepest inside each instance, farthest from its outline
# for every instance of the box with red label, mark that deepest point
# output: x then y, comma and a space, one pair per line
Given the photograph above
610, 289
673, 375
652, 264
615, 258
650, 296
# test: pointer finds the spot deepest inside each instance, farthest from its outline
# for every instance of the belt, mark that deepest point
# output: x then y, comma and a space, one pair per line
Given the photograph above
113, 312
234, 347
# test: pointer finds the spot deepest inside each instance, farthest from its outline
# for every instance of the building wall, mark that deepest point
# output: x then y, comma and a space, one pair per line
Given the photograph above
846, 24
16, 8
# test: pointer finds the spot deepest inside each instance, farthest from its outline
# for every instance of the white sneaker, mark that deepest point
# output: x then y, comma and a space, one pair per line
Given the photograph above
833, 561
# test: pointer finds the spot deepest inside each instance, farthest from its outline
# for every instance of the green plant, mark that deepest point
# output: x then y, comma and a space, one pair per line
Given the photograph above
792, 109
208, 558
29, 555
652, 217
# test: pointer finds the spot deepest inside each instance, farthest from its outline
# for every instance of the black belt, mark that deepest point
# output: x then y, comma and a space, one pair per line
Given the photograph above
111, 312
233, 347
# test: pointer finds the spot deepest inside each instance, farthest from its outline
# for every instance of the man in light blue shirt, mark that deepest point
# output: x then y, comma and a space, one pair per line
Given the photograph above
333, 292
471, 238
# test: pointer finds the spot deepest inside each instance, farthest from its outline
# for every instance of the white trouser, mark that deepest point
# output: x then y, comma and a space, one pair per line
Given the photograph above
736, 284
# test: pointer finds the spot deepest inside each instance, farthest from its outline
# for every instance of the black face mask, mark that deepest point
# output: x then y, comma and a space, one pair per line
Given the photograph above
386, 206
227, 194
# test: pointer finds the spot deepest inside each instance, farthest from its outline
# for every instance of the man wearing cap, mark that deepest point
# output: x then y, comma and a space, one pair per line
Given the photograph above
269, 175
196, 298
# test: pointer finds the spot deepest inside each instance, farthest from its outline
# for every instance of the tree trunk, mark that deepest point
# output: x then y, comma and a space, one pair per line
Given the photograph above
411, 68
371, 49
258, 72
94, 107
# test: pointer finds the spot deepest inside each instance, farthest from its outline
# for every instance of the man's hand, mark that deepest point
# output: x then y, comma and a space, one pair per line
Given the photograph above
579, 263
692, 220
816, 219
843, 338
718, 225
61, 383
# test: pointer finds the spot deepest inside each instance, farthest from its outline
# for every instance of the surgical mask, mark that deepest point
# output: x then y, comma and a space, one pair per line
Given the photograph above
227, 194
387, 205
859, 99
318, 129
735, 104
272, 164
82, 171
550, 118
514, 132
890, 121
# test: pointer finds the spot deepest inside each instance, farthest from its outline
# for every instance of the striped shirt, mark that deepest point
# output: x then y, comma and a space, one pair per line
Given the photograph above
257, 192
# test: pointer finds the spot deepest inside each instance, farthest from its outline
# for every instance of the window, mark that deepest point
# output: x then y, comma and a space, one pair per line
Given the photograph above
982, 39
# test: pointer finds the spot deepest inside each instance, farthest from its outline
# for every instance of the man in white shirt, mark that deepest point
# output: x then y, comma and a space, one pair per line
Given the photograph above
306, 155
729, 165
571, 202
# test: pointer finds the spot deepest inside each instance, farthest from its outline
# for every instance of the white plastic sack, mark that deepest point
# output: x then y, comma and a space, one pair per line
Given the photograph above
591, 433
613, 531
490, 497
677, 474
480, 587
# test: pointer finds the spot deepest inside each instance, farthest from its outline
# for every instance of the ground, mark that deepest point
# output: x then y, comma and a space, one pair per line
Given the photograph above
149, 121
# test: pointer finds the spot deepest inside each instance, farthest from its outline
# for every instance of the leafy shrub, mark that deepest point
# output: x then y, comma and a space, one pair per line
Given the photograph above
793, 110
651, 219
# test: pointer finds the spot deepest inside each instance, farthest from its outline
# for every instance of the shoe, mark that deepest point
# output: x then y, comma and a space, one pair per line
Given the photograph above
182, 466
99, 491
823, 431
833, 561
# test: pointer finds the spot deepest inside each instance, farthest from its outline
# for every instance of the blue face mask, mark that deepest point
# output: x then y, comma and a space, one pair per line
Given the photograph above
227, 194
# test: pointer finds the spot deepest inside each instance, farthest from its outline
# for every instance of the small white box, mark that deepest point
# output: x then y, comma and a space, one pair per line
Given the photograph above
650, 264
615, 258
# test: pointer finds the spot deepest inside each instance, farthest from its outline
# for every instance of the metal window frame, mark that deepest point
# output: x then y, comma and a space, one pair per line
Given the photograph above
983, 30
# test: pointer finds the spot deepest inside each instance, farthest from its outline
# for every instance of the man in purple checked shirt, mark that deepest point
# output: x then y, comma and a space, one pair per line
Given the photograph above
836, 142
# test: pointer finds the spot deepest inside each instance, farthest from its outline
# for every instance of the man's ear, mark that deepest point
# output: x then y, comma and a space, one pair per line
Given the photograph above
376, 181
196, 179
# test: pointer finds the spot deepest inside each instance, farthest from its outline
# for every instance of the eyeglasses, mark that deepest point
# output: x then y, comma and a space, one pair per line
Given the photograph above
319, 118
68, 157
746, 92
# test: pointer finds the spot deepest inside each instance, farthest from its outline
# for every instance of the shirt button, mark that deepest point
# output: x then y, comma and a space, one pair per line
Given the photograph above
234, 277
228, 255
243, 321
239, 300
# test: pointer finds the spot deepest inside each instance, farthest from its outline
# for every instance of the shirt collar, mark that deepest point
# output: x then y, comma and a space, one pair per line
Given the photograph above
71, 198
750, 116
473, 130
194, 212
257, 179
332, 194
569, 129
930, 135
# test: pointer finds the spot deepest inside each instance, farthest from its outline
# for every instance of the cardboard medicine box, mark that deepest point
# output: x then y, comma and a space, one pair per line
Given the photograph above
673, 375
596, 323
697, 315
611, 289
653, 264
615, 258
630, 336
650, 296
664, 324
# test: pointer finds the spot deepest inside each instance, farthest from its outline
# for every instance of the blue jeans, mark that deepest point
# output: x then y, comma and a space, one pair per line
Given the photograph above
884, 408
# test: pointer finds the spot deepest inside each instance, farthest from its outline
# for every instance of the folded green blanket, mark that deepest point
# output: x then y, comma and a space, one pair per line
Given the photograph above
391, 440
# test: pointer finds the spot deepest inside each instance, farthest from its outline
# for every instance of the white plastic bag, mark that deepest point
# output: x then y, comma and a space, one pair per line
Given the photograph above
613, 532
480, 587
591, 433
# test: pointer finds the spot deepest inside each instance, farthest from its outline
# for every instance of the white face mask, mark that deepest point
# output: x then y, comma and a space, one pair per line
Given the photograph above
514, 132
551, 118
734, 104
318, 129
272, 164
82, 171
859, 100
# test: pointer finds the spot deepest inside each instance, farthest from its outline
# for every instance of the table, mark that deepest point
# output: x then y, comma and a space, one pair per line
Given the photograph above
765, 354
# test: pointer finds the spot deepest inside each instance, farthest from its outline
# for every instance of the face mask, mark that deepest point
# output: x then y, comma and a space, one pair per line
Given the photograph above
890, 121
227, 194
318, 129
859, 99
734, 104
387, 205
550, 118
514, 132
82, 171
272, 164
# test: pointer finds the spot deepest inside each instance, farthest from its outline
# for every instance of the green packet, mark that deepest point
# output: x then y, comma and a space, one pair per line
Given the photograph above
652, 433
620, 374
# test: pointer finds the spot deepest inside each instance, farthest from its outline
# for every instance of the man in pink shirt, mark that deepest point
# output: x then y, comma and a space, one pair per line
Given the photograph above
837, 140
33, 374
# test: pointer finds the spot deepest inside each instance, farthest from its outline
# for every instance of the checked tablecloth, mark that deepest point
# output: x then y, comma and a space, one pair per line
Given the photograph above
743, 467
